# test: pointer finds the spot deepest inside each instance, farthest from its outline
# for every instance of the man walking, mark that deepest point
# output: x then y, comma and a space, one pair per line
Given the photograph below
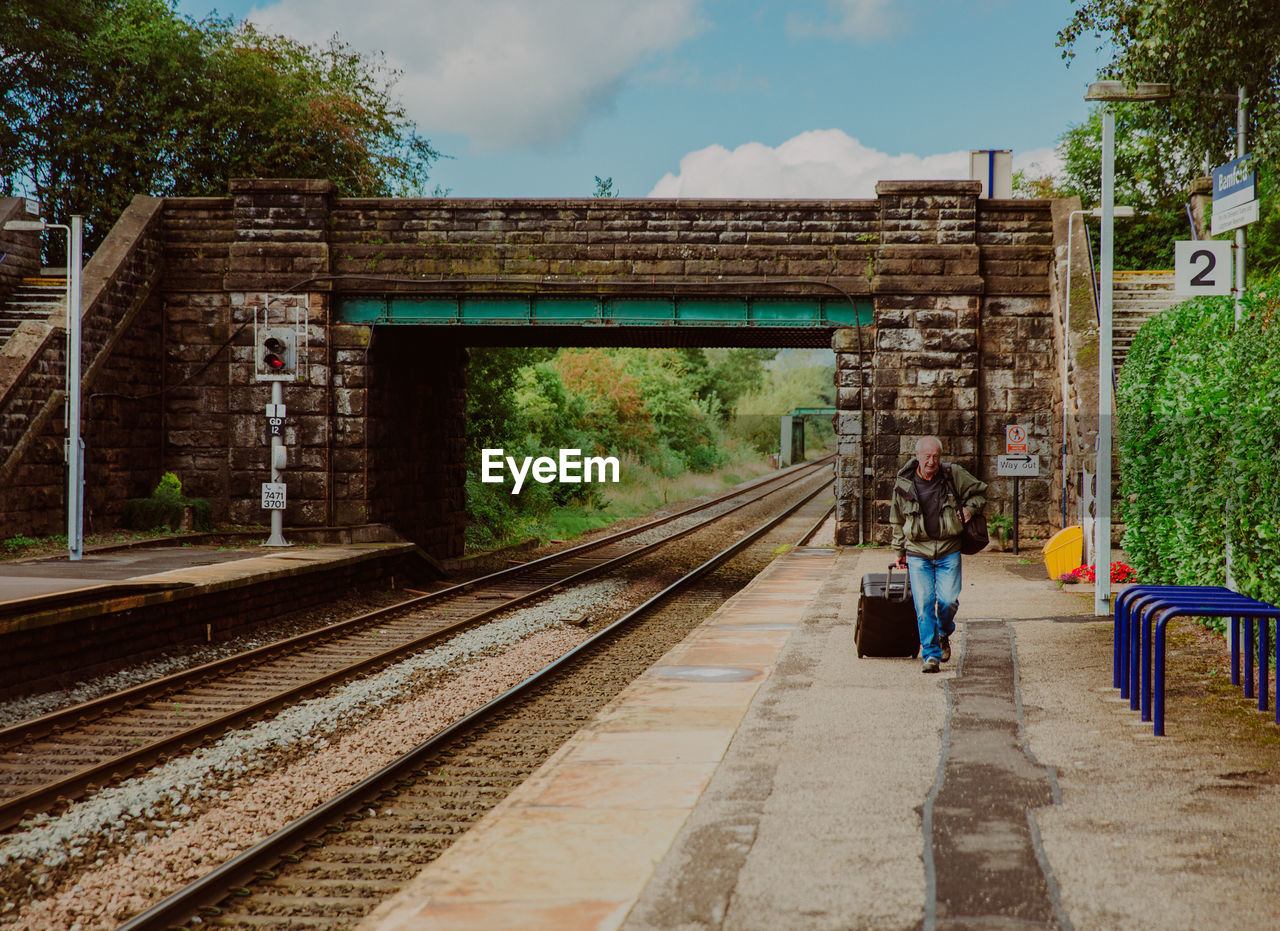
931, 502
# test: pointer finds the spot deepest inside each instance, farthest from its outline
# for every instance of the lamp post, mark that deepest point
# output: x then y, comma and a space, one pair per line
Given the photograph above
1096, 212
1108, 92
75, 446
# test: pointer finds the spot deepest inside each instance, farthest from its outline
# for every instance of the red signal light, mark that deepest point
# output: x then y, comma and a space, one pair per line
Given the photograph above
277, 355
273, 358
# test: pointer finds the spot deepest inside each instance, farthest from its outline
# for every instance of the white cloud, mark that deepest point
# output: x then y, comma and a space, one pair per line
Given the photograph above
863, 20
502, 72
1038, 162
818, 163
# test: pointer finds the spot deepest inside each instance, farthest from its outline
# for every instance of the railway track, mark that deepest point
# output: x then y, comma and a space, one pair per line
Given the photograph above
51, 760
334, 865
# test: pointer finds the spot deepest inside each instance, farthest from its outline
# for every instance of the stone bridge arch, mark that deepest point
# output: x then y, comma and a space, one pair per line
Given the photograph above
955, 336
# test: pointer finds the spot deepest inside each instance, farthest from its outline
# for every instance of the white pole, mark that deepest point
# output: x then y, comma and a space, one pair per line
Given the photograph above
277, 471
1241, 150
1066, 329
1102, 501
75, 447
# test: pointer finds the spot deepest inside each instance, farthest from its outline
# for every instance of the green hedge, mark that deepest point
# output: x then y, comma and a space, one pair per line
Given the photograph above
1198, 409
150, 514
165, 508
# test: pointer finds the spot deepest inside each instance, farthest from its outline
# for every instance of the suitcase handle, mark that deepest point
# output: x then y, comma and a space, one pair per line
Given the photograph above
888, 585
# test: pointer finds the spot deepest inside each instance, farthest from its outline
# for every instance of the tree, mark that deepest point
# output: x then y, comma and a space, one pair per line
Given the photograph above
795, 378
104, 99
604, 188
1204, 50
1151, 176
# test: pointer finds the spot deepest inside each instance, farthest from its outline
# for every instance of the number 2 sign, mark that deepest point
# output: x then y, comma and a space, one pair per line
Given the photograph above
1202, 266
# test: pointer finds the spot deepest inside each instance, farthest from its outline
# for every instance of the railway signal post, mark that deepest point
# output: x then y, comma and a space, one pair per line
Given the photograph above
277, 349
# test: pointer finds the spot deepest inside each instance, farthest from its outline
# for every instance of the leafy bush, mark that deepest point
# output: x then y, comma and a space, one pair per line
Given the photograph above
1001, 525
166, 508
1198, 403
797, 378
659, 410
16, 543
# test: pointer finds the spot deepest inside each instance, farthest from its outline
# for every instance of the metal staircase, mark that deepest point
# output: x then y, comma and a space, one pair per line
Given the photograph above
1137, 296
34, 299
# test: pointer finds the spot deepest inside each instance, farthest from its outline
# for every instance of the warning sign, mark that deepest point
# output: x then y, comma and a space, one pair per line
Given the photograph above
1015, 440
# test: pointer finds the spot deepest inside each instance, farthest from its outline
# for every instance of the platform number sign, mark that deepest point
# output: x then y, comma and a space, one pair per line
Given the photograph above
1202, 266
273, 496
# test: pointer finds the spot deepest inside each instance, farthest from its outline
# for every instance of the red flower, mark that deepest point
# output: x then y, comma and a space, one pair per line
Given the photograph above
1120, 573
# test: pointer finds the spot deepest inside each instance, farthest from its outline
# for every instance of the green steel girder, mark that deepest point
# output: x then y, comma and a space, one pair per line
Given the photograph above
539, 310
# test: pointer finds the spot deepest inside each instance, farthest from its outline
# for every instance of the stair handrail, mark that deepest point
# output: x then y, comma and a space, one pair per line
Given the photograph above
1097, 301
1093, 274
111, 260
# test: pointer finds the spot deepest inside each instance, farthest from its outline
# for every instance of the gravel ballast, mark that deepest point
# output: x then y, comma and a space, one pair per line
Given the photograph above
155, 808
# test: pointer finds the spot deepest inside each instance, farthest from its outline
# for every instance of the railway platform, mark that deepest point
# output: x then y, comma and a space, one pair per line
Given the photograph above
47, 581
58, 616
761, 776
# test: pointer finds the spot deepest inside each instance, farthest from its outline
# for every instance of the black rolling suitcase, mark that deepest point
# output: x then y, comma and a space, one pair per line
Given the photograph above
886, 624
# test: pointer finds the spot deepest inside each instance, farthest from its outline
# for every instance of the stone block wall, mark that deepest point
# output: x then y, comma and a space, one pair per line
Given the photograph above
416, 423
963, 347
961, 344
589, 242
120, 390
374, 430
20, 251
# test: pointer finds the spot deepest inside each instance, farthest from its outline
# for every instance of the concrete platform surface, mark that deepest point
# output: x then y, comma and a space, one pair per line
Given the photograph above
33, 584
760, 776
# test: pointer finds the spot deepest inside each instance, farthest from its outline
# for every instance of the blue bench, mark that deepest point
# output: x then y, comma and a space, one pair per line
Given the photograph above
1142, 610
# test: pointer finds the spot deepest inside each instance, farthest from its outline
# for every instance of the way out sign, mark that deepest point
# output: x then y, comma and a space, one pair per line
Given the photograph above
1018, 466
1201, 267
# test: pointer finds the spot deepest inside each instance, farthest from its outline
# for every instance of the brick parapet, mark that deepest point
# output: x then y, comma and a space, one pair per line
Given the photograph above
281, 233
596, 245
198, 233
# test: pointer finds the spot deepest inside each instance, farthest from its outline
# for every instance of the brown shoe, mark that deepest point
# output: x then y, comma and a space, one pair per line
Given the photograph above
931, 665
946, 648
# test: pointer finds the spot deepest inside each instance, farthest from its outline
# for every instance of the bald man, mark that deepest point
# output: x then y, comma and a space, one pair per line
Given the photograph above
931, 502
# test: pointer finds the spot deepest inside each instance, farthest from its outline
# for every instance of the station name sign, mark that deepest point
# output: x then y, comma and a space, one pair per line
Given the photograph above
1235, 195
1234, 183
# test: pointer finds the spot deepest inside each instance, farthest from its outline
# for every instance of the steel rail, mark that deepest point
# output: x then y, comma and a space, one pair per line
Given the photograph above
13, 810
817, 525
83, 712
186, 903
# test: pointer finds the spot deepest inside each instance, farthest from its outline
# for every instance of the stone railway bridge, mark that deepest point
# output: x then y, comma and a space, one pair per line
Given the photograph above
944, 310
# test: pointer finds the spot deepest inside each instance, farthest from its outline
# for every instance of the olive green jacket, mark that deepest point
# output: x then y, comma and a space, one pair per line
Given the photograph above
907, 518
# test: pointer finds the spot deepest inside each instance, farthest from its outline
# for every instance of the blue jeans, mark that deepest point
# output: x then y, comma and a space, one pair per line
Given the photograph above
935, 589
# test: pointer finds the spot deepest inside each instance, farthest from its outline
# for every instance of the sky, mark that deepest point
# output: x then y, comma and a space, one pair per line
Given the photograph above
709, 98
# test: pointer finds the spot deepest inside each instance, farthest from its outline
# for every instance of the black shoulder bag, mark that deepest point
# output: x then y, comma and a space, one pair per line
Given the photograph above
973, 537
